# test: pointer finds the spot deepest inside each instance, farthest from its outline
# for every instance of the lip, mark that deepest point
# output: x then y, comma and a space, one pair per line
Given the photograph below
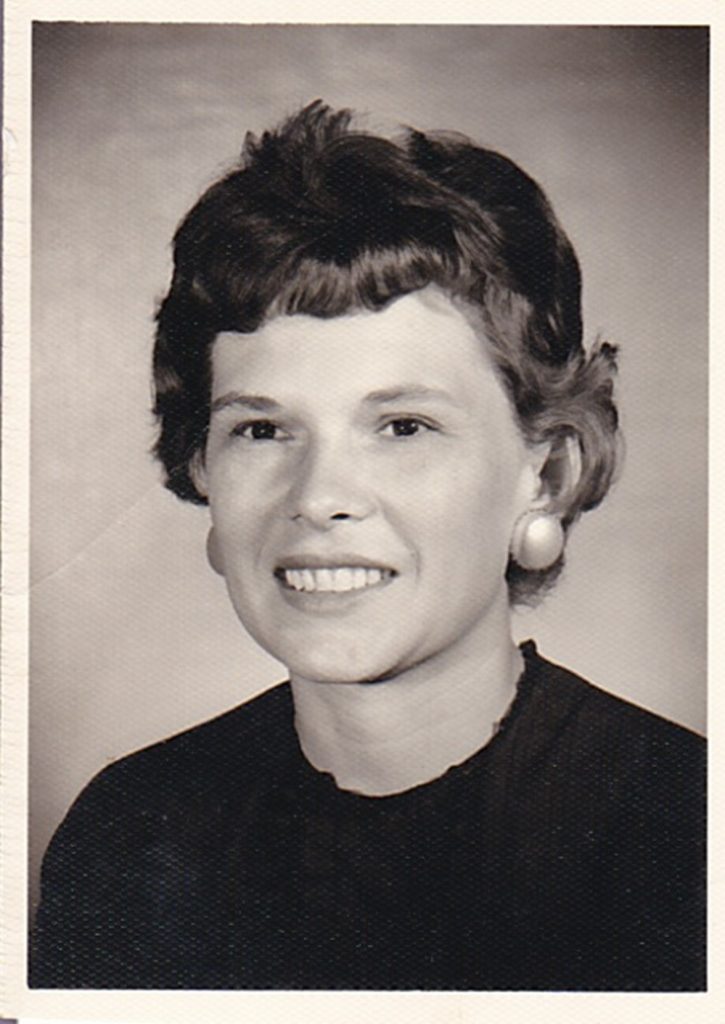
331, 602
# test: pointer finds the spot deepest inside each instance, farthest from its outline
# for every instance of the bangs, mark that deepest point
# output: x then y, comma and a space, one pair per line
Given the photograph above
369, 281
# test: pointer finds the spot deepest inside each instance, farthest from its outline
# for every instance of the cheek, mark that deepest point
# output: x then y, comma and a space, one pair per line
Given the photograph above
239, 494
239, 520
470, 516
471, 491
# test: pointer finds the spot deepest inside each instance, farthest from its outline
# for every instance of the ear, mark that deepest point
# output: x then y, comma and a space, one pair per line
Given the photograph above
559, 473
197, 472
213, 552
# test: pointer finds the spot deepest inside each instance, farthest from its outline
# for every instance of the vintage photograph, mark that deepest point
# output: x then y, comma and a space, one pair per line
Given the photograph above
368, 554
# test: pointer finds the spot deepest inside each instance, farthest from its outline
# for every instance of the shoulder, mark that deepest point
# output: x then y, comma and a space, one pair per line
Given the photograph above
631, 752
135, 862
205, 765
618, 781
611, 814
587, 700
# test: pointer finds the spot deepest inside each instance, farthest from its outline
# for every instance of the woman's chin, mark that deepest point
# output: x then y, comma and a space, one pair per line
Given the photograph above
339, 670
352, 649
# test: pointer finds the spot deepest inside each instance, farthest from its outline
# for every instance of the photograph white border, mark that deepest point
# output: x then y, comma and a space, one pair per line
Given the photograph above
318, 1007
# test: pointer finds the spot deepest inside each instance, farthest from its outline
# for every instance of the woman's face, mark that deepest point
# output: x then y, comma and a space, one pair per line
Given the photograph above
364, 475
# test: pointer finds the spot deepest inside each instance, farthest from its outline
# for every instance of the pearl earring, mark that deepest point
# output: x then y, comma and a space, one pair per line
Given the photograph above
213, 554
537, 541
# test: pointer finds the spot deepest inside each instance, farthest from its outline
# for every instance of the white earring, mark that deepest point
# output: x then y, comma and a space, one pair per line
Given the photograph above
213, 554
537, 541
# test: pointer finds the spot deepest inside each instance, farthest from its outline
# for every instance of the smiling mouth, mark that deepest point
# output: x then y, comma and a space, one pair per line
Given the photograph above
333, 580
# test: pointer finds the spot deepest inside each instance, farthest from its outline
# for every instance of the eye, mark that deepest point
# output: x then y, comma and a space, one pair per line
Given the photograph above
406, 426
260, 430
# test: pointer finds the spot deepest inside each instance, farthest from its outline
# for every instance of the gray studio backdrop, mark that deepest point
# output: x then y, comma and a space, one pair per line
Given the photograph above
132, 637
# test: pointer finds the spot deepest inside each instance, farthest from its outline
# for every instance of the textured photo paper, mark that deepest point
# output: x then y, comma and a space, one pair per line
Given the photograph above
127, 637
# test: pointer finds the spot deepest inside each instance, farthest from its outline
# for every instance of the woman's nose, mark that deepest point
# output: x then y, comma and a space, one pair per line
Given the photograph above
329, 487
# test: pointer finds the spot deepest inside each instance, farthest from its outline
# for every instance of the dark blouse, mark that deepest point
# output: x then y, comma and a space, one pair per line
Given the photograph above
566, 854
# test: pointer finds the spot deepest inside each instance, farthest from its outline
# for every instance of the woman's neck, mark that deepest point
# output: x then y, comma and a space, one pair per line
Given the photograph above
389, 736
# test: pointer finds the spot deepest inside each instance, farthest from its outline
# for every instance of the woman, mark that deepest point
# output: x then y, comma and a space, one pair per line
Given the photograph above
369, 364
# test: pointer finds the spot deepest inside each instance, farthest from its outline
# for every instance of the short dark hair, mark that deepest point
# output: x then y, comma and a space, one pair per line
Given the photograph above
322, 219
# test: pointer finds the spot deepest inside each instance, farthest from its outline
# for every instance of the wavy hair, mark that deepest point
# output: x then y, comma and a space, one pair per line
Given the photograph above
321, 219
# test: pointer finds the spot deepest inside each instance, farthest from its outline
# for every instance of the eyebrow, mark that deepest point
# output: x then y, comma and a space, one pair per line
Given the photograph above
259, 403
382, 396
407, 392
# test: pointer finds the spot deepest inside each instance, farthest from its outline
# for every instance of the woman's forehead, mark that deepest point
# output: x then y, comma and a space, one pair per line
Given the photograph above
421, 342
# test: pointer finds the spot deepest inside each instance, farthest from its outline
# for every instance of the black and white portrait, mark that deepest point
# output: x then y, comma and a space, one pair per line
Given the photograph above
368, 507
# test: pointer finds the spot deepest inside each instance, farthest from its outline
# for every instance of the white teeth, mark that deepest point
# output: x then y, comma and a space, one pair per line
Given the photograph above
324, 579
295, 578
342, 580
333, 580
